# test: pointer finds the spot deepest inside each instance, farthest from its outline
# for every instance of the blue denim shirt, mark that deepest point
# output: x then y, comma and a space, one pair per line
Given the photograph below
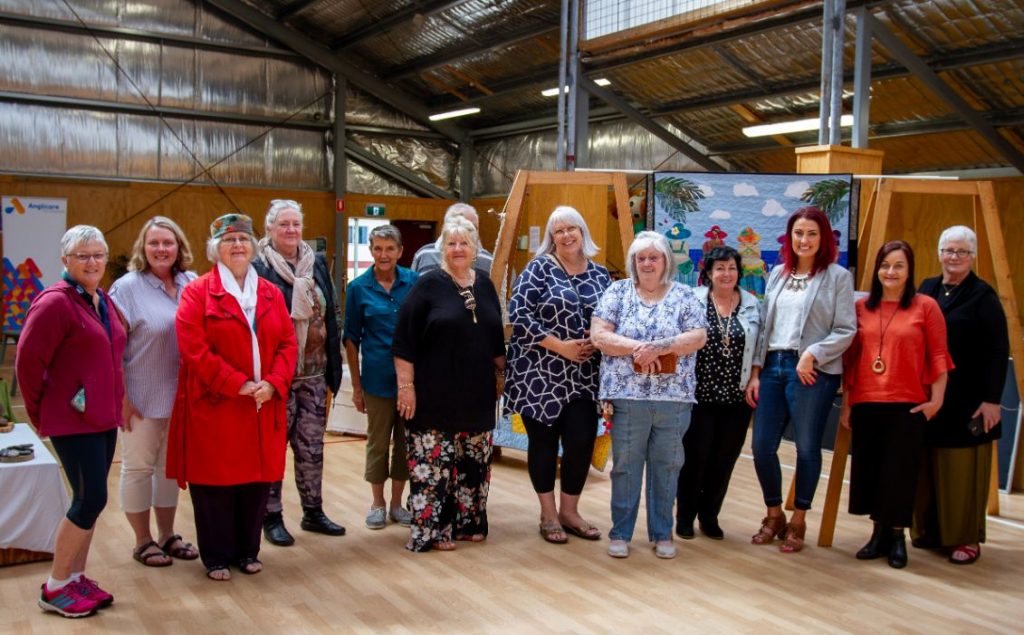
371, 314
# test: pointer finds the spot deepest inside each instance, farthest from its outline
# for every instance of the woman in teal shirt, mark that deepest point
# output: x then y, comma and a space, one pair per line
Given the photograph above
371, 312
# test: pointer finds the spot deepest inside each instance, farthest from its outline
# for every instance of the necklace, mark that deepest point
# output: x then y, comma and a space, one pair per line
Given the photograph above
724, 326
469, 300
950, 288
797, 282
878, 366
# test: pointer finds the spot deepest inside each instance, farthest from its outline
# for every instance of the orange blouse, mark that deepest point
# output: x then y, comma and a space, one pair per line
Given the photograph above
913, 350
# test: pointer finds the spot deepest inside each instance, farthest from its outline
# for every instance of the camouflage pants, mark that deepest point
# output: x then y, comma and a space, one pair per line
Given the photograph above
307, 421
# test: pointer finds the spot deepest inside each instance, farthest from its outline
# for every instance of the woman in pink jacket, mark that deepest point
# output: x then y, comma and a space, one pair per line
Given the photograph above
69, 368
228, 427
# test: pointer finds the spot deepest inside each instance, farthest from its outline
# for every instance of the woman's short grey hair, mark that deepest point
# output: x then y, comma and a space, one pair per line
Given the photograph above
213, 244
643, 241
79, 235
385, 232
277, 206
459, 226
959, 233
567, 216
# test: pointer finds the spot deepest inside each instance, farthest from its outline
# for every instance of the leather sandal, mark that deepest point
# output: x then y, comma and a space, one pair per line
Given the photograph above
972, 553
250, 566
552, 532
772, 527
794, 540
184, 551
140, 555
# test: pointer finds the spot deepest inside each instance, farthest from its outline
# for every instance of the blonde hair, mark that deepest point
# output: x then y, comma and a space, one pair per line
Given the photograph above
460, 226
138, 261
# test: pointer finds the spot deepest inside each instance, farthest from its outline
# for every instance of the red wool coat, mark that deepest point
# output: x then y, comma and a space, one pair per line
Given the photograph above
216, 436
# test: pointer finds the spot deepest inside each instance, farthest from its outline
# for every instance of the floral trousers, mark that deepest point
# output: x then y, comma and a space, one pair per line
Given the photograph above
449, 477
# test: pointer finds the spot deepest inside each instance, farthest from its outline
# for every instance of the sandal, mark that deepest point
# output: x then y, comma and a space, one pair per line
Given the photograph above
140, 555
223, 574
772, 527
972, 553
250, 566
794, 540
444, 546
471, 537
585, 531
185, 551
552, 532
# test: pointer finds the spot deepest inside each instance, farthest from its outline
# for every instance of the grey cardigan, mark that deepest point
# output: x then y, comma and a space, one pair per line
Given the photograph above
751, 319
829, 318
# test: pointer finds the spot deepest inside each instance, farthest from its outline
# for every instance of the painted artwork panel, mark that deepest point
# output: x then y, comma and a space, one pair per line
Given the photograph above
32, 229
698, 211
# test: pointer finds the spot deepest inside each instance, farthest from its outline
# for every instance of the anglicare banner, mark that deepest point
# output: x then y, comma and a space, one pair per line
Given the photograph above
32, 229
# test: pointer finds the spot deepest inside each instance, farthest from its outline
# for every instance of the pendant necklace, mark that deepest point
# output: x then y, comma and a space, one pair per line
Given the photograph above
724, 326
469, 300
797, 282
949, 289
878, 366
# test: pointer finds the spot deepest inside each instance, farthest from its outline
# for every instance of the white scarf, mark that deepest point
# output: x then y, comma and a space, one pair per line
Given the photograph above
246, 298
303, 288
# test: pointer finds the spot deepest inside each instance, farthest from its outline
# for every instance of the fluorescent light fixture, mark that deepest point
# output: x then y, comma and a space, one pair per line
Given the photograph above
451, 114
787, 127
553, 92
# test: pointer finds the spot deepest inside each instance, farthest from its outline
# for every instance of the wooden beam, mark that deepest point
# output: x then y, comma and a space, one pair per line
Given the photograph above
469, 79
430, 79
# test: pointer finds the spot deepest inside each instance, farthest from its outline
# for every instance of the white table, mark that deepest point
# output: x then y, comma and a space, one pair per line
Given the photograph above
33, 495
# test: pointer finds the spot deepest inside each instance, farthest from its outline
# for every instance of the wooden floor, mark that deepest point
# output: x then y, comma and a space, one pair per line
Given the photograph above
514, 582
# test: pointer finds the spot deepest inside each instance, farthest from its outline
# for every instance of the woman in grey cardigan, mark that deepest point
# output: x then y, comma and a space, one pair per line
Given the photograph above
809, 322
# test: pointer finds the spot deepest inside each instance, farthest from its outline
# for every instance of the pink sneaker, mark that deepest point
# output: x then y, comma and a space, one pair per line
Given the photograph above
91, 589
68, 601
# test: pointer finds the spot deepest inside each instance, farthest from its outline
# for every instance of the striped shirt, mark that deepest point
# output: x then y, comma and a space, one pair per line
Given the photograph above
151, 358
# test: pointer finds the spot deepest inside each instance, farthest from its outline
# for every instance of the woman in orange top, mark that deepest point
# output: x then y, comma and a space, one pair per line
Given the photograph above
895, 379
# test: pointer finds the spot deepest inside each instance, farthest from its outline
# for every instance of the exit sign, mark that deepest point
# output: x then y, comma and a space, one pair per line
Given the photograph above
375, 209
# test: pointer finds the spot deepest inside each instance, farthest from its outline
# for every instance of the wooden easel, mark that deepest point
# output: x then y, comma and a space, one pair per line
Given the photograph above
990, 241
569, 181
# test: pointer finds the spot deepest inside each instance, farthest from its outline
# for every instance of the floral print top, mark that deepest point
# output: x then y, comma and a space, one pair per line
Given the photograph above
677, 312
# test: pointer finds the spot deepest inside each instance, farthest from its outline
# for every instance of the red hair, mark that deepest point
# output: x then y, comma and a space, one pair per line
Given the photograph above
827, 251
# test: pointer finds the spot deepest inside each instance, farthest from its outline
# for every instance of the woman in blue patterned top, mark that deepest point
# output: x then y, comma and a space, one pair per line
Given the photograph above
552, 369
649, 329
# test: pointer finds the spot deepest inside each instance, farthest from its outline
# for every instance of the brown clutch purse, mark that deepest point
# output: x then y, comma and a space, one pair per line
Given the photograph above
668, 365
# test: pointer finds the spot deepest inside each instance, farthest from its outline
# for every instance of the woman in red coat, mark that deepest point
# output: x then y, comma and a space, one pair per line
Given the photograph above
228, 428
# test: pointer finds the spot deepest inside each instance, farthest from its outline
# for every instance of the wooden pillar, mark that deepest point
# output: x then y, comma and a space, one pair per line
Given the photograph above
840, 160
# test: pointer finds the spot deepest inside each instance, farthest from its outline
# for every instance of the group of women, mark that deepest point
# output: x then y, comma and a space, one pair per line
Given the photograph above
210, 377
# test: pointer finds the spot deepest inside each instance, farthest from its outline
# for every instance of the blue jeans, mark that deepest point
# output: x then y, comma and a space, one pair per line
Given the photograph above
783, 398
646, 433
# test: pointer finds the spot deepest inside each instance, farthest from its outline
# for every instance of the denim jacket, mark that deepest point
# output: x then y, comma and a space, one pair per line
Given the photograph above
751, 318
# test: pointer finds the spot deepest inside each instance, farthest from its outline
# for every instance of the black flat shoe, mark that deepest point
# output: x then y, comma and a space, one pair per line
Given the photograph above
878, 545
712, 530
275, 532
315, 520
684, 529
898, 551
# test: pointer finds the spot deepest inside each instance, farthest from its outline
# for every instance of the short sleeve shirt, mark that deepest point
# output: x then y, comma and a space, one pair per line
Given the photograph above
677, 312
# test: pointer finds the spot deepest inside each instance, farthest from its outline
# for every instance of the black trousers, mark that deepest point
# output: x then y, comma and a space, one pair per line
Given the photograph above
711, 446
229, 519
887, 442
575, 429
86, 459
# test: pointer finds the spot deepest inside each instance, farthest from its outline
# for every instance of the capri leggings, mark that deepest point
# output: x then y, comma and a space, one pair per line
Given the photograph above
86, 459
576, 429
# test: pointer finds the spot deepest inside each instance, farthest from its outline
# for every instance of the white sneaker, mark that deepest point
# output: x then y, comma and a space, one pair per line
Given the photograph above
665, 549
401, 515
377, 518
618, 549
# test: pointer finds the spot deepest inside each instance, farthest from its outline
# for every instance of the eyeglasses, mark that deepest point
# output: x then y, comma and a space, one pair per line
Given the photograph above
236, 240
84, 258
959, 253
558, 233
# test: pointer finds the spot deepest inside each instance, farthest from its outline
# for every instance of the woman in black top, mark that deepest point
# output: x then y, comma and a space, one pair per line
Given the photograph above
954, 484
450, 361
718, 426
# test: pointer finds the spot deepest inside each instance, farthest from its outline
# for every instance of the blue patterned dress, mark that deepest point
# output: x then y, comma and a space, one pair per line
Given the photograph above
545, 301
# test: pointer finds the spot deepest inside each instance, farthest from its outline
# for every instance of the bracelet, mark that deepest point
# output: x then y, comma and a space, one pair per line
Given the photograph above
499, 372
404, 386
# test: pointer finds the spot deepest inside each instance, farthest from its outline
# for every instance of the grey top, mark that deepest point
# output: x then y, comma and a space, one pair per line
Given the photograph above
151, 357
428, 258
750, 317
829, 319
